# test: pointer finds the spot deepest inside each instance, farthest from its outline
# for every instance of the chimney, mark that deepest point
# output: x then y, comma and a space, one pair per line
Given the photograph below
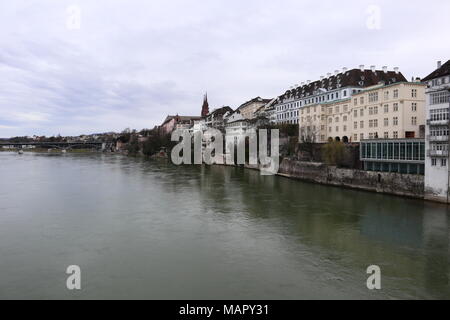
373, 68
336, 72
321, 78
439, 64
328, 74
344, 70
303, 83
361, 67
385, 69
396, 69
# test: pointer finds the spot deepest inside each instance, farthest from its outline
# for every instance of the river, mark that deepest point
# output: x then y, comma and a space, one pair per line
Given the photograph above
143, 229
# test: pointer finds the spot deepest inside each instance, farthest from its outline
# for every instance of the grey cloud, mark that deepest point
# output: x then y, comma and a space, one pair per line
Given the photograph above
133, 62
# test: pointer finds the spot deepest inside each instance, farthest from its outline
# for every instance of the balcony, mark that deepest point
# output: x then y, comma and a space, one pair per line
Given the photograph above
437, 153
438, 122
437, 138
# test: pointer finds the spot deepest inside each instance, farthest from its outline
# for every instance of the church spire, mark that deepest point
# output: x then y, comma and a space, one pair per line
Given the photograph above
205, 107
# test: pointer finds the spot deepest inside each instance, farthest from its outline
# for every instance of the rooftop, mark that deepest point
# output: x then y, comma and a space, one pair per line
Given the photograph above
352, 78
443, 71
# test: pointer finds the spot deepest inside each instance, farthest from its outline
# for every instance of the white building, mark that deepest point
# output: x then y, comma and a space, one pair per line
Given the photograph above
236, 126
437, 173
341, 85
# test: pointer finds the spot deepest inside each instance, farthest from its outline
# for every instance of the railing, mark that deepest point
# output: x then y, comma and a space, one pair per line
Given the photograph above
437, 153
437, 138
438, 122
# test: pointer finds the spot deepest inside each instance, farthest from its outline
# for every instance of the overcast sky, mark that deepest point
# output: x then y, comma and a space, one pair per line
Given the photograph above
72, 67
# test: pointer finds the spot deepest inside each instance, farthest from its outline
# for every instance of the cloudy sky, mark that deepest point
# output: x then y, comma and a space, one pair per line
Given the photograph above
72, 67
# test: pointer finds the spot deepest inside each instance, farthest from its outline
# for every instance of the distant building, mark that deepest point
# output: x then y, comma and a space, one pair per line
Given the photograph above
205, 106
177, 122
340, 86
249, 109
216, 119
237, 125
437, 133
387, 111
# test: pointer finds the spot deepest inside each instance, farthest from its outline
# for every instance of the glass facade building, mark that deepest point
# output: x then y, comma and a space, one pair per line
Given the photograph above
398, 155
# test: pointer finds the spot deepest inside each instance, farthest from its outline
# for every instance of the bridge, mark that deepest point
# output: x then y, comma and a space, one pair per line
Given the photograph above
57, 145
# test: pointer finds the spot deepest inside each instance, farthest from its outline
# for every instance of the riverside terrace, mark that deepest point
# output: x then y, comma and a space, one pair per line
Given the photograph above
394, 155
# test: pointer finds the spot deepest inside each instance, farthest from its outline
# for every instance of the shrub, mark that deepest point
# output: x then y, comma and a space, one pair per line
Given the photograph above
334, 153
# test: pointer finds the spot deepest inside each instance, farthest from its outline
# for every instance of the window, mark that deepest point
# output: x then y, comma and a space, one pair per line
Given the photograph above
386, 122
395, 134
355, 137
414, 121
361, 112
395, 107
355, 113
414, 107
345, 128
355, 102
386, 95
337, 109
386, 108
396, 93
370, 123
386, 135
361, 124
375, 123
373, 97
361, 136
361, 100
375, 110
355, 125
439, 114
439, 98
443, 162
370, 110
434, 162
337, 129
345, 118
414, 93
395, 121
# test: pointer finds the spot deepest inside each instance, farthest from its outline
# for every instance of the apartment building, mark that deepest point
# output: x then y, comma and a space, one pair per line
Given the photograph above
437, 133
387, 111
332, 88
249, 109
393, 111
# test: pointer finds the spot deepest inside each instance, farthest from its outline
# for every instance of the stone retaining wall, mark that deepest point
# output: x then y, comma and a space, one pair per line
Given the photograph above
392, 183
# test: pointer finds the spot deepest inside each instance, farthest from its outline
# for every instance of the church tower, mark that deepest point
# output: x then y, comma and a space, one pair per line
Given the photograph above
205, 107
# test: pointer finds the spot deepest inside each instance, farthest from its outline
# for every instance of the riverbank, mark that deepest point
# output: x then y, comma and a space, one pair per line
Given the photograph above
43, 150
406, 185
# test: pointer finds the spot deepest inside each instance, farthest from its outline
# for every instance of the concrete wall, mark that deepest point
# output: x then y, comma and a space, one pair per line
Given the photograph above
391, 183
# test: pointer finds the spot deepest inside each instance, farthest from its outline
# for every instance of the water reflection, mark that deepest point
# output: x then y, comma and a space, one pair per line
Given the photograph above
161, 231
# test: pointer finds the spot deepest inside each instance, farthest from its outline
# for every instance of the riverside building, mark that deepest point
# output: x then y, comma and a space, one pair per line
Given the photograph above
437, 133
332, 88
387, 110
